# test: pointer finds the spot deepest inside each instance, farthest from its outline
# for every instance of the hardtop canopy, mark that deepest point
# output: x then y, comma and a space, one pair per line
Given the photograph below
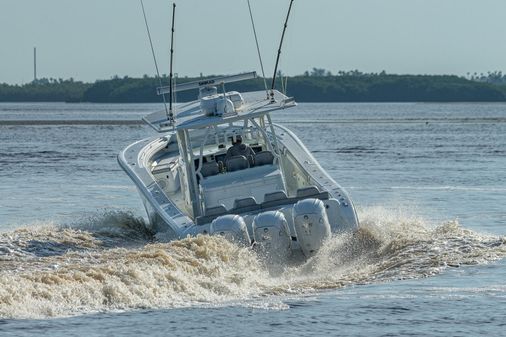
191, 116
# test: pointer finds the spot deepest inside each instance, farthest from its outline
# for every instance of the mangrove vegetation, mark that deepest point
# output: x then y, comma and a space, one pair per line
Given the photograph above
317, 85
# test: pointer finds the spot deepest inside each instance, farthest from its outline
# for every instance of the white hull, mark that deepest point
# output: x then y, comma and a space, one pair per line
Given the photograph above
223, 168
170, 219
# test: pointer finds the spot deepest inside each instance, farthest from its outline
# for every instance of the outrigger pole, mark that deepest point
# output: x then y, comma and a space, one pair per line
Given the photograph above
171, 114
279, 52
258, 49
154, 56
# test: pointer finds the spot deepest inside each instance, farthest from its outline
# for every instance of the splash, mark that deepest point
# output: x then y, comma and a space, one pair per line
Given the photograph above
115, 227
109, 262
391, 245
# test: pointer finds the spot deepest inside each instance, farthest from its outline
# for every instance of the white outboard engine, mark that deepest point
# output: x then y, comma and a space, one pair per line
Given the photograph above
232, 227
311, 225
272, 236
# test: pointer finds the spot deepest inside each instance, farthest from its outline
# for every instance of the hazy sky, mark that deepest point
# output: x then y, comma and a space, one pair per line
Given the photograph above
96, 39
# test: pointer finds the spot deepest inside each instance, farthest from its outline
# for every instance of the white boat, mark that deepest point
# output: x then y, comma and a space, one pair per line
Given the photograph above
278, 198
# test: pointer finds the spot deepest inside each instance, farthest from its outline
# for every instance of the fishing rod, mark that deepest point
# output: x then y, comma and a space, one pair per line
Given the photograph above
171, 114
258, 49
279, 52
154, 56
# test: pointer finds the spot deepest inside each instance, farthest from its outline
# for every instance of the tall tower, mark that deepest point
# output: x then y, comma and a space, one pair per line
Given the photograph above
34, 64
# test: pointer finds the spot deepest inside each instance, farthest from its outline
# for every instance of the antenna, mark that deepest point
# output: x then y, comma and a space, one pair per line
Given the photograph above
283, 90
34, 64
207, 82
154, 56
171, 114
258, 49
279, 51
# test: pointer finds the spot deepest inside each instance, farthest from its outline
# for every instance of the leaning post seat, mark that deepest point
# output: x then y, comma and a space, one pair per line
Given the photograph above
253, 182
237, 163
209, 169
264, 158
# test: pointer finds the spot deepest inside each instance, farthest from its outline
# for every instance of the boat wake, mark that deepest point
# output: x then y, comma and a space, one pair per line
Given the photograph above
110, 262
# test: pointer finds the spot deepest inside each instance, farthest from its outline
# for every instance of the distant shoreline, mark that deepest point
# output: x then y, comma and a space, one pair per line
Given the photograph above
122, 122
351, 87
69, 122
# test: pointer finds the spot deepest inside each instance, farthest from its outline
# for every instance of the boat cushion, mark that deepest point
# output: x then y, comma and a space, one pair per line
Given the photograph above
277, 195
274, 199
250, 201
245, 205
264, 158
306, 192
216, 210
237, 163
209, 169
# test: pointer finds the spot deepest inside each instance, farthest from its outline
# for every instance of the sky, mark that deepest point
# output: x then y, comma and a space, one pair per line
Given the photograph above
97, 39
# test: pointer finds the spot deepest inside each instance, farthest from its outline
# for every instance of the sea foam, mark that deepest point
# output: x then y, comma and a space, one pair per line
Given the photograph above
109, 262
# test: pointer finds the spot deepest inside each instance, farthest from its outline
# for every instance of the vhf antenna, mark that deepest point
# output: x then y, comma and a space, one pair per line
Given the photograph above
171, 114
154, 56
258, 49
279, 52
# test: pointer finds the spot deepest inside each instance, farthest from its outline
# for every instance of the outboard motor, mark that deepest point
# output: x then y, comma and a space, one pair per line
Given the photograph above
232, 227
311, 225
272, 236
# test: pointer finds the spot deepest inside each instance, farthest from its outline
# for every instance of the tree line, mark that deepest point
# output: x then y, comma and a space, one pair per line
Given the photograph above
44, 90
316, 85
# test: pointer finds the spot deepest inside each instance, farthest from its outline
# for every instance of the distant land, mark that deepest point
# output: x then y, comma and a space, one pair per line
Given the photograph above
317, 85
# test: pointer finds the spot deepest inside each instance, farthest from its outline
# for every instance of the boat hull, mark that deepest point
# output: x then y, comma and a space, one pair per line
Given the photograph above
169, 221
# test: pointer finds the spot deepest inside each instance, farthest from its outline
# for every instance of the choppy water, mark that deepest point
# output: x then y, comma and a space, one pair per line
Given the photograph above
429, 181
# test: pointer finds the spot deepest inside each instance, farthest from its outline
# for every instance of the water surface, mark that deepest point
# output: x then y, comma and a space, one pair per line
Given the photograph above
428, 180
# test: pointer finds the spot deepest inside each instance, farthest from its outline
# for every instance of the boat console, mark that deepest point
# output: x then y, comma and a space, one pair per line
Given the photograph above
225, 188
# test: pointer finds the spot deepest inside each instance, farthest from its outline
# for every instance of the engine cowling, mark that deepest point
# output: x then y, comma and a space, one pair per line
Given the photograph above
271, 234
311, 225
232, 227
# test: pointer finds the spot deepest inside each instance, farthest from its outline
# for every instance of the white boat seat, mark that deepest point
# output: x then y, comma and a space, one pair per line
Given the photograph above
209, 169
264, 158
237, 163
248, 204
